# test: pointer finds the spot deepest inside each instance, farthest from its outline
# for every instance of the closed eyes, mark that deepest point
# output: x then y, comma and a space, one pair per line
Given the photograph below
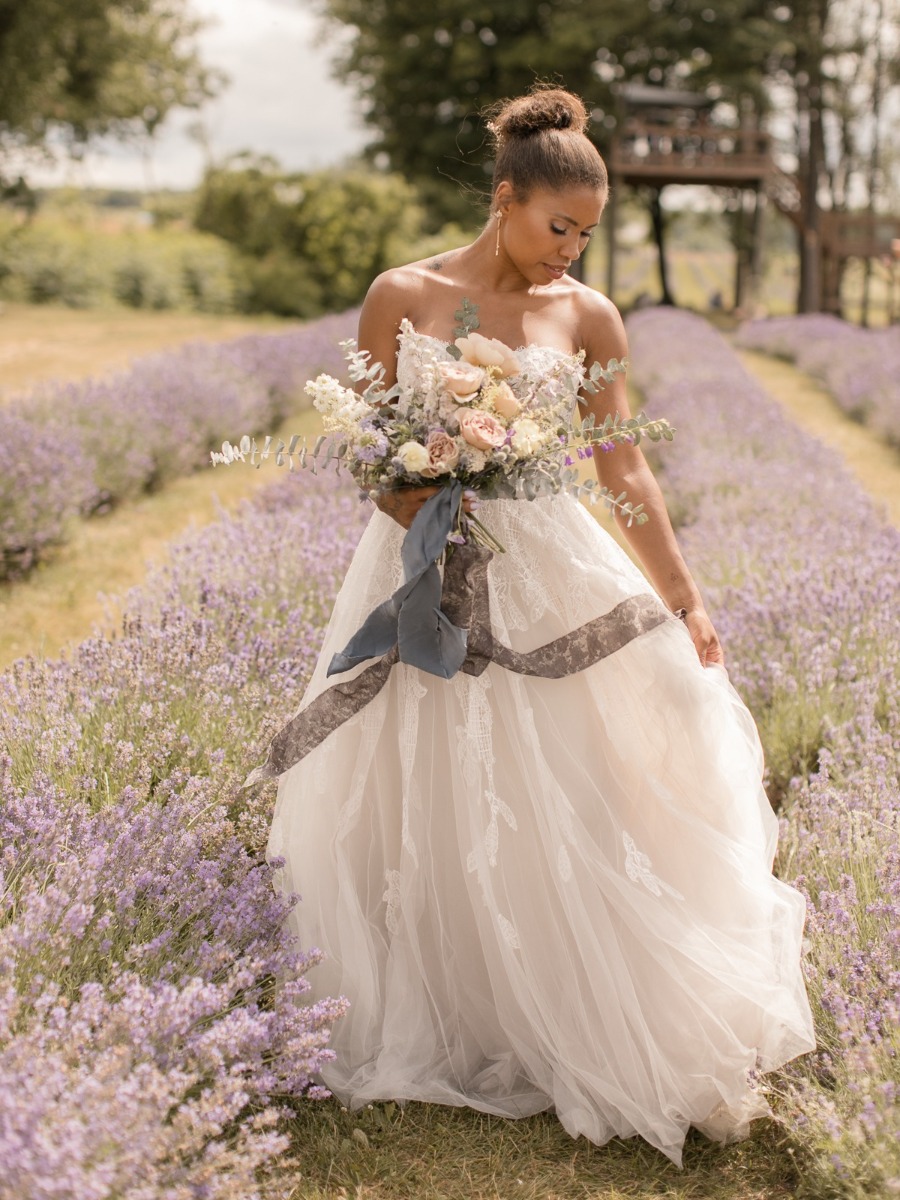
587, 234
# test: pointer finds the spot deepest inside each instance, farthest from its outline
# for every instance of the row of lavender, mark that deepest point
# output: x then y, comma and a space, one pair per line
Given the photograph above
144, 1045
72, 449
803, 577
860, 367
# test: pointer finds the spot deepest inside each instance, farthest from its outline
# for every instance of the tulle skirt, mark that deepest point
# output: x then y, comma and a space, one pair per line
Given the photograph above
546, 893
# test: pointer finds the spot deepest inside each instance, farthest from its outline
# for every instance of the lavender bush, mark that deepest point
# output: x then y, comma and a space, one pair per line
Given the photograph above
143, 1040
803, 578
860, 367
74, 448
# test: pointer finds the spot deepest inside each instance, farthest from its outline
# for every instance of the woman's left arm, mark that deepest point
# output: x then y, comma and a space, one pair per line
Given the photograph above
625, 470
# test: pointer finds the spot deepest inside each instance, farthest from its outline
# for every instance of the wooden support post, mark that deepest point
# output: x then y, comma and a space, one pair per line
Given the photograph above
739, 253
756, 247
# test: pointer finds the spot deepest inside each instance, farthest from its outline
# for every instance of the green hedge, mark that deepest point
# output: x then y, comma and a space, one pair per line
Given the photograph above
55, 260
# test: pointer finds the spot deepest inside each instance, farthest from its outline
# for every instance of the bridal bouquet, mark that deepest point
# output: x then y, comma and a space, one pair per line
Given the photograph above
473, 417
469, 415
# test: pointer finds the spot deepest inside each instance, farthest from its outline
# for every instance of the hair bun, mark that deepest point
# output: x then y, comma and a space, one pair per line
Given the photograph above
544, 108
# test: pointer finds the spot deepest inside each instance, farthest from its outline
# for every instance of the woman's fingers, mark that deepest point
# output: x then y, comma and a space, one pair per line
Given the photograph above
404, 503
705, 639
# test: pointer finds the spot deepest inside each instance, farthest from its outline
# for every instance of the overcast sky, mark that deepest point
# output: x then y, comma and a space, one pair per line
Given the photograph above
281, 100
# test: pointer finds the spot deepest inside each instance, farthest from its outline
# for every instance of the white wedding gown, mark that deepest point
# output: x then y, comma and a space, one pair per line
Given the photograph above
546, 893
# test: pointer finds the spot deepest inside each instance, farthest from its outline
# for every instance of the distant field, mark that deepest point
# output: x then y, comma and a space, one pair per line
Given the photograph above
40, 342
696, 276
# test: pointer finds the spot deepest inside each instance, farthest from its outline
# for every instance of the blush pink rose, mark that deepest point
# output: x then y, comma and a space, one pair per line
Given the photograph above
480, 429
443, 454
462, 379
504, 400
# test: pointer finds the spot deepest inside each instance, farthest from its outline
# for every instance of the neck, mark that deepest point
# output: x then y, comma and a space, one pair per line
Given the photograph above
480, 265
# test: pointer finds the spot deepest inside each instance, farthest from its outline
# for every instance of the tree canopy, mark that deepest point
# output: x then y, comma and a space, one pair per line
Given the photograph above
96, 67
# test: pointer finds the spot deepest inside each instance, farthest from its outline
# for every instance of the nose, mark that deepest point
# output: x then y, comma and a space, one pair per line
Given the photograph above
572, 248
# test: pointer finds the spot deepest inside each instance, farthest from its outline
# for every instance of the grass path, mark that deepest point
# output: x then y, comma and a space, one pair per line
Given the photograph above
875, 464
72, 594
42, 342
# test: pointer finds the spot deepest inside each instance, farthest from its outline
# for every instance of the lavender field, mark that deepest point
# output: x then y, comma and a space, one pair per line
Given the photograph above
803, 577
69, 450
144, 1037
859, 367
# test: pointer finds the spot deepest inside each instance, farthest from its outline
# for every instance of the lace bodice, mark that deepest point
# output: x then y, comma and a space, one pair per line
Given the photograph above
541, 365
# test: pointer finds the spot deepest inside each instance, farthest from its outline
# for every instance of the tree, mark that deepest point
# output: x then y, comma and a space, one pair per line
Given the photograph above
80, 70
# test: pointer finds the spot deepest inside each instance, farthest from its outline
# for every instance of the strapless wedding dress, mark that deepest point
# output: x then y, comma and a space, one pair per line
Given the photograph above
545, 893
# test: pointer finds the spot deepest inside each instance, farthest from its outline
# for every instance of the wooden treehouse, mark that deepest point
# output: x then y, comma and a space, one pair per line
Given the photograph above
666, 137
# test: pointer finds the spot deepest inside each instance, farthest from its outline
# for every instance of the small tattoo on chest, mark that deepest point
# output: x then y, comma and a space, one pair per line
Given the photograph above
437, 265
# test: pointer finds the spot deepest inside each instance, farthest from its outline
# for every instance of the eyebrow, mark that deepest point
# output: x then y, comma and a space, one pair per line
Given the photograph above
572, 221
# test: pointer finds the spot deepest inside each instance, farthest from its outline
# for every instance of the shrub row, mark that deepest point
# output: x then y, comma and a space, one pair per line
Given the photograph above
56, 261
803, 578
859, 367
72, 449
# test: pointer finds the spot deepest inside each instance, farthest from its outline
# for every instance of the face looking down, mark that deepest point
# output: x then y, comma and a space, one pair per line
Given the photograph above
544, 233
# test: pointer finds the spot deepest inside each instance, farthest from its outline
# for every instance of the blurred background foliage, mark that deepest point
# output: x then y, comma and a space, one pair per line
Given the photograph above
822, 75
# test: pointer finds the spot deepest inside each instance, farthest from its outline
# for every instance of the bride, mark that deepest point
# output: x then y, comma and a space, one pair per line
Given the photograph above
544, 893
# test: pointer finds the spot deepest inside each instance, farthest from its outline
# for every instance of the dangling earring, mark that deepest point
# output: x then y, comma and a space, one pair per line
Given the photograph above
499, 215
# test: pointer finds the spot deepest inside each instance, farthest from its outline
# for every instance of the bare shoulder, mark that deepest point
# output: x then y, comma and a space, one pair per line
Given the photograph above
600, 326
394, 289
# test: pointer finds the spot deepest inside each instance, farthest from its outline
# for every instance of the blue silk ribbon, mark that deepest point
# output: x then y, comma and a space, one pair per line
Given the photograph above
412, 619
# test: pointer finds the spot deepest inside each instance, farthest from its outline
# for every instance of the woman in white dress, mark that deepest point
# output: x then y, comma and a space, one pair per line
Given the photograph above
544, 891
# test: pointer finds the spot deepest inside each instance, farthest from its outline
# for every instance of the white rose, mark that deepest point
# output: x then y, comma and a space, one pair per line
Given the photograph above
488, 352
413, 456
527, 437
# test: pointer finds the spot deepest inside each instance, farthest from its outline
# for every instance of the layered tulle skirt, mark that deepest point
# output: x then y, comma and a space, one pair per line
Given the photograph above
546, 893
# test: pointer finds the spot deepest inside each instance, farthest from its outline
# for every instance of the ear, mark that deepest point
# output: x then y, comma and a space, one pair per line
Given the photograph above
502, 197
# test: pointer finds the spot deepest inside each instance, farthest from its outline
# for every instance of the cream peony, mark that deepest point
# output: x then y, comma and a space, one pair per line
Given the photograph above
413, 456
480, 429
527, 437
488, 352
462, 379
443, 454
504, 400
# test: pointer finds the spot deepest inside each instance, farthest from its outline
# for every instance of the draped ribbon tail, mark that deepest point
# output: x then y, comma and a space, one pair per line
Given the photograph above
427, 639
312, 725
411, 618
376, 636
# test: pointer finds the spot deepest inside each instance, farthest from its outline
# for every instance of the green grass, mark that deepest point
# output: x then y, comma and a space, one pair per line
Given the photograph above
875, 464
430, 1151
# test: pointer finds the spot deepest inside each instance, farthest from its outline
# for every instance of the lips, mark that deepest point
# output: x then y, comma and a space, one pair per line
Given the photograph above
556, 272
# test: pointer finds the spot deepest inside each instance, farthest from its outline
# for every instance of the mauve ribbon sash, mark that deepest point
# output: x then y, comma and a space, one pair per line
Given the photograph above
465, 604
